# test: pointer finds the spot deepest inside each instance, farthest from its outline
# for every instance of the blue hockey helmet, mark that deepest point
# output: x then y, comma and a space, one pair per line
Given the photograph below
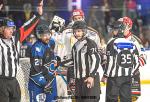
7, 23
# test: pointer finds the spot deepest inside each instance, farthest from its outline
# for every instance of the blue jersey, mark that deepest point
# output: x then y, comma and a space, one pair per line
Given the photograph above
41, 54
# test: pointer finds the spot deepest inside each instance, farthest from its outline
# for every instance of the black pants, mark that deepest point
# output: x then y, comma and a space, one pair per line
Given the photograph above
118, 86
9, 90
84, 94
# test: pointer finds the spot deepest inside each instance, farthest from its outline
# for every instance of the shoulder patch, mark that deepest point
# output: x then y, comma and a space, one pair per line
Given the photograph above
37, 49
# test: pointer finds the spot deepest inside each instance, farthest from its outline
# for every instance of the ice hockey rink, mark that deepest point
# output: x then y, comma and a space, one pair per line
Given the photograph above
145, 82
145, 93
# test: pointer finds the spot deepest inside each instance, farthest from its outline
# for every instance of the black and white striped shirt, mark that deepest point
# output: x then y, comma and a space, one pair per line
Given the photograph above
122, 58
10, 48
9, 57
85, 57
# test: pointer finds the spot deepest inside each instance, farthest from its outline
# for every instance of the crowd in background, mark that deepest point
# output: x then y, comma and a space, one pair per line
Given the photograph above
99, 16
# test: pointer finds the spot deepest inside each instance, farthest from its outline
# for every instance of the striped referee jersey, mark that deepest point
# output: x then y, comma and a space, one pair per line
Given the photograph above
122, 58
85, 58
10, 48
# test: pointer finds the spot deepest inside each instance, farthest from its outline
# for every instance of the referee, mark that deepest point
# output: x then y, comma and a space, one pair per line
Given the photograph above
9, 55
86, 61
122, 62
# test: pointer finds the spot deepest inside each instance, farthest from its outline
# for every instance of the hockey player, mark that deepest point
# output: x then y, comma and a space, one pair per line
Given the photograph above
122, 63
57, 25
69, 39
136, 86
42, 83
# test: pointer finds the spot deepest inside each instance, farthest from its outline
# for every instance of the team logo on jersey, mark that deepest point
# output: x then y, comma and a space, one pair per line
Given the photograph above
37, 49
41, 97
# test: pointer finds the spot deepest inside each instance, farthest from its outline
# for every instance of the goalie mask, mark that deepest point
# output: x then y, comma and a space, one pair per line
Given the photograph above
128, 25
77, 15
127, 21
57, 24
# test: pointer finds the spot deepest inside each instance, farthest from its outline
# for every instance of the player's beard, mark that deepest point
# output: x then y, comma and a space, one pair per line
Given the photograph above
47, 41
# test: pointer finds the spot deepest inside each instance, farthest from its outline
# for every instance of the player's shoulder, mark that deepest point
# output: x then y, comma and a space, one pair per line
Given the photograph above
92, 33
37, 45
123, 40
92, 29
134, 38
67, 30
90, 42
52, 41
111, 40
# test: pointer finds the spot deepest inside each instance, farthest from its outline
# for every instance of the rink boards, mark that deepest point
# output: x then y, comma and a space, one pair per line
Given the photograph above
145, 77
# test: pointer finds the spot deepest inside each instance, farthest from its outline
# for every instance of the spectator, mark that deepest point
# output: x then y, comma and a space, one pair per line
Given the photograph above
26, 47
131, 8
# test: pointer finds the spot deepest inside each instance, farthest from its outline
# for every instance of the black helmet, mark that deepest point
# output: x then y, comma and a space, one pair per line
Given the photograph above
117, 25
42, 29
8, 22
79, 25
